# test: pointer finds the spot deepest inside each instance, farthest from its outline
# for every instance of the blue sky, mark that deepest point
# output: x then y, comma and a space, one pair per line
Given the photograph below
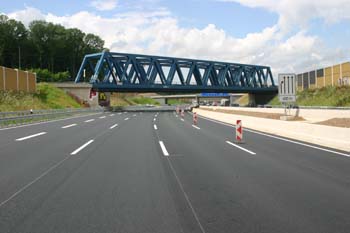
289, 35
191, 13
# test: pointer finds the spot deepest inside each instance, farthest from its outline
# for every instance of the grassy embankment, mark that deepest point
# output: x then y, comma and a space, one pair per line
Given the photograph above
326, 96
46, 97
127, 99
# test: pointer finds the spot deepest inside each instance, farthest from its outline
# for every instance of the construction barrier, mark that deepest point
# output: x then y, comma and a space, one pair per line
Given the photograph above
239, 131
17, 80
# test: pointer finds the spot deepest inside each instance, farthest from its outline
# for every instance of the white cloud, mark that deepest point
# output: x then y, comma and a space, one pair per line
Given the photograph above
298, 13
159, 32
104, 5
27, 15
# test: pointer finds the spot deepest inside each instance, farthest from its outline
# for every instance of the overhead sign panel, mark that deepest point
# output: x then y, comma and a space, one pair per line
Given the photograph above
215, 94
287, 88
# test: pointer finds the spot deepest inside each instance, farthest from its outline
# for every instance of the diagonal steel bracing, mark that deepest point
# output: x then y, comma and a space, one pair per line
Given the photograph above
124, 72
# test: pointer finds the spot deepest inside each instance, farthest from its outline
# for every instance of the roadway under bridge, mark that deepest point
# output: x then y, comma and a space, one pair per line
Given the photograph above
232, 98
122, 72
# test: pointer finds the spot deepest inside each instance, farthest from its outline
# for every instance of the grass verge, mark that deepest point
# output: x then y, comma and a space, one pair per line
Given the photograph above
46, 97
326, 96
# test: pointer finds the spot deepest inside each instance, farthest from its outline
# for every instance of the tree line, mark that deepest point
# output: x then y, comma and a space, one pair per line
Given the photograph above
45, 47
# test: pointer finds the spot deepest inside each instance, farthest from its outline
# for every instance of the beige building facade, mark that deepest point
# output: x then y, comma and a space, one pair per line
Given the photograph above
336, 75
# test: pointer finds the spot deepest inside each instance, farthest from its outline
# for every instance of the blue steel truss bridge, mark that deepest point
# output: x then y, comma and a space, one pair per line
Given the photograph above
123, 72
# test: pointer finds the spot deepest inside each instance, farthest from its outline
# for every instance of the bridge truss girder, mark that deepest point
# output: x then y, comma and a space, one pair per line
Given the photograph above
143, 73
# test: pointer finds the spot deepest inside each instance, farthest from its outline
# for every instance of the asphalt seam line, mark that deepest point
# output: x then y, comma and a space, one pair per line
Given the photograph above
34, 181
186, 197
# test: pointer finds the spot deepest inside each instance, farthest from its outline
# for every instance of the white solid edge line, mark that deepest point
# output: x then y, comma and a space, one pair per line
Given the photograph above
82, 147
299, 143
101, 117
89, 120
46, 122
239, 147
194, 126
165, 152
68, 126
279, 138
30, 136
113, 126
126, 119
155, 127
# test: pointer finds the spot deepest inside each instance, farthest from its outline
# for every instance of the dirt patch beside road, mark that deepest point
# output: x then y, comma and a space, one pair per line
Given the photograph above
275, 116
337, 122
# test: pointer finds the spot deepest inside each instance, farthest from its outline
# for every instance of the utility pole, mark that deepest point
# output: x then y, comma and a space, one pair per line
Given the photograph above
19, 57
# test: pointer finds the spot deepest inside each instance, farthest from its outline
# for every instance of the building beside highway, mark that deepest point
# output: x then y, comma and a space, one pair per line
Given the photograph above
335, 75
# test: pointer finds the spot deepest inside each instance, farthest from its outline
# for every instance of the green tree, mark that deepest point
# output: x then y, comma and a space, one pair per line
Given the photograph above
13, 36
45, 46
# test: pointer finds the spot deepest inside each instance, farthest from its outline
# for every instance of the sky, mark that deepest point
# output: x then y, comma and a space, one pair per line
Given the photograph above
287, 35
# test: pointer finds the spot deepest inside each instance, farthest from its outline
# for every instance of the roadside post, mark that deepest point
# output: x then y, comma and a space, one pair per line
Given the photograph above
239, 132
287, 93
195, 118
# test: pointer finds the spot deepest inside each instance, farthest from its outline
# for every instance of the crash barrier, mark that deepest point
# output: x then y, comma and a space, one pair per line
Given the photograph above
29, 116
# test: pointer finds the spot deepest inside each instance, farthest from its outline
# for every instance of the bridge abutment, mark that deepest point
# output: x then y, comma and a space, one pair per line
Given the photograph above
260, 99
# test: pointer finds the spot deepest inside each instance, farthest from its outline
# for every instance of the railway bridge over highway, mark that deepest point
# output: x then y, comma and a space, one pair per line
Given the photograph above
123, 72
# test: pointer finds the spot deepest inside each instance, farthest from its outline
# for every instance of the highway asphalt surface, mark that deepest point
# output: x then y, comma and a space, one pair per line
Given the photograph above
152, 172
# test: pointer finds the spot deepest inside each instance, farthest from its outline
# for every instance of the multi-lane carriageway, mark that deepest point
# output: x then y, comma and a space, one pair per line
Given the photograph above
153, 172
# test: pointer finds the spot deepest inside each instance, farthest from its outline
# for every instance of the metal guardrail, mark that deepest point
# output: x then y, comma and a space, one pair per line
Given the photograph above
24, 117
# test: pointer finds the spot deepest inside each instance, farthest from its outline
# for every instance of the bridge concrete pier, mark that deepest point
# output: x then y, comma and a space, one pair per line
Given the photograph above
162, 101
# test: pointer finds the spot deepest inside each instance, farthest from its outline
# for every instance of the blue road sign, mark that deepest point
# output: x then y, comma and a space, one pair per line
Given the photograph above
215, 94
